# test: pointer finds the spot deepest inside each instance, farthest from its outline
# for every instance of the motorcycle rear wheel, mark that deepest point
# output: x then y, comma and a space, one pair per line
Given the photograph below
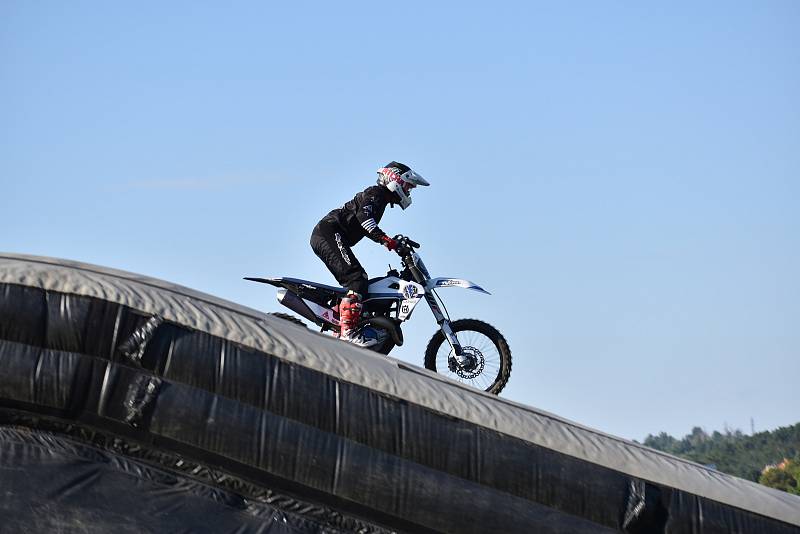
486, 347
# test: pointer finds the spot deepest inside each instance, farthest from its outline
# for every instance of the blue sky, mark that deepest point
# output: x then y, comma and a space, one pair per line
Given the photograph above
624, 178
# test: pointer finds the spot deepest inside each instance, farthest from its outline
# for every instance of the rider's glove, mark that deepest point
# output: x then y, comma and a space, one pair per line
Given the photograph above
389, 243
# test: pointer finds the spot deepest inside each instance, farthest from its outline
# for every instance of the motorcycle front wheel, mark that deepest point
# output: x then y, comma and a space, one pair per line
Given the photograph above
487, 357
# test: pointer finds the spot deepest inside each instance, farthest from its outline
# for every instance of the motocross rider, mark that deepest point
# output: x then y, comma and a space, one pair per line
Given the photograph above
343, 227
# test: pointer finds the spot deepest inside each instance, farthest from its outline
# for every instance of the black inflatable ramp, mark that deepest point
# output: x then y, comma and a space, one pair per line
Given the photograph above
128, 404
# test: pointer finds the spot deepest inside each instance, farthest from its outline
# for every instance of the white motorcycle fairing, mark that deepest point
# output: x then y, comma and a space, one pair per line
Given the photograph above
327, 315
392, 287
436, 283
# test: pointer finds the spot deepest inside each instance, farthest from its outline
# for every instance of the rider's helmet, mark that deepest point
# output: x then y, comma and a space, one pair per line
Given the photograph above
400, 179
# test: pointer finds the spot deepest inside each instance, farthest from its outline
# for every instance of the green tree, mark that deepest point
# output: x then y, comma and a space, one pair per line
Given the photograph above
784, 476
733, 452
663, 442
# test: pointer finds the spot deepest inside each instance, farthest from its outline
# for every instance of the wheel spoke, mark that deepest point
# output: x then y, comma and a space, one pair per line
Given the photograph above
482, 356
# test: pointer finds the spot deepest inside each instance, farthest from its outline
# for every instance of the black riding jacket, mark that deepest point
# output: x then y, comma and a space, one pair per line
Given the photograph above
360, 217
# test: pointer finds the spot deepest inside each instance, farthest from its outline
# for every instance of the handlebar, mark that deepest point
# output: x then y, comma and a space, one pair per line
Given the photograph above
405, 249
405, 244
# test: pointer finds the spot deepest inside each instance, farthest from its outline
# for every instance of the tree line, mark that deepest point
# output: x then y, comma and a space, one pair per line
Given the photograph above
771, 457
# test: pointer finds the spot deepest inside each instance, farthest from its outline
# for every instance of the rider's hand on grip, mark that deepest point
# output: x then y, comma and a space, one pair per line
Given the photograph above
389, 243
404, 244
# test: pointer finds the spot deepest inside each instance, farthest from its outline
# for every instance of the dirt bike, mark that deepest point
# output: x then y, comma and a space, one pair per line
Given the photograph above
468, 350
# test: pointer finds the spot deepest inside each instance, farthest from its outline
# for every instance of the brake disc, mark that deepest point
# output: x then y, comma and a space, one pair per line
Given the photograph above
472, 367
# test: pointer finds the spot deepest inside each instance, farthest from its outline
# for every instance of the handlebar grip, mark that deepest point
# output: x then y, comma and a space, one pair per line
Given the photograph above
404, 242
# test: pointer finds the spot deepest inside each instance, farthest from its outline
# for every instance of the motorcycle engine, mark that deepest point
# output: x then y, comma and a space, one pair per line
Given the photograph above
379, 334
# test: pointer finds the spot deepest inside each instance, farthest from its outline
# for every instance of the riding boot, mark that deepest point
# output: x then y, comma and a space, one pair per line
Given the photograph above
350, 309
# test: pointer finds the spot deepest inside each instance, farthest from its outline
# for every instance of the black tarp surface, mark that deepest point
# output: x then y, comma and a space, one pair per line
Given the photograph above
382, 443
53, 484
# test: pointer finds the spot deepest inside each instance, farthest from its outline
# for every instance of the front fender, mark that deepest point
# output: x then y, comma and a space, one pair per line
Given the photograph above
436, 283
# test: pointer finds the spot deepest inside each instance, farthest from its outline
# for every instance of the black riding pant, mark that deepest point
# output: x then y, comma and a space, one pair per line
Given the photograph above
328, 243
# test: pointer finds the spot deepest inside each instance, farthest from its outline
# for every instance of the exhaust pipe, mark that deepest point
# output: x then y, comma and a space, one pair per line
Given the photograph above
390, 326
296, 304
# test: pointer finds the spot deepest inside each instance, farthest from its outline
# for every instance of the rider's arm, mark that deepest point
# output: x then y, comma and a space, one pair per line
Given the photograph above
368, 223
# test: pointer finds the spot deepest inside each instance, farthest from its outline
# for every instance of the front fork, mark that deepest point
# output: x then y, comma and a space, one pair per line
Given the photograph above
444, 324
